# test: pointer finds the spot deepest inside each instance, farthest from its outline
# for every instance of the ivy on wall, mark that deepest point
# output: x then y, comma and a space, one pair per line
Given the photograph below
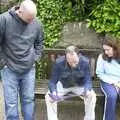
55, 13
106, 18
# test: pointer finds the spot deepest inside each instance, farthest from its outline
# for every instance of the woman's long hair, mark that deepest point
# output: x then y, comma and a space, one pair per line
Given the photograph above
116, 49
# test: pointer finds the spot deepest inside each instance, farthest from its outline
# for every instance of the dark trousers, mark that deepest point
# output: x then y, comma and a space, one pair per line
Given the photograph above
111, 95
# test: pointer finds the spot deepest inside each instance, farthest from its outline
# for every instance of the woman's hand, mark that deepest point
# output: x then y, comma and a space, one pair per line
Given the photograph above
117, 85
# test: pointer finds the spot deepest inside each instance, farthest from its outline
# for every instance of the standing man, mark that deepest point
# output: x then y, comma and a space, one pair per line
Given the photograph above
21, 44
71, 74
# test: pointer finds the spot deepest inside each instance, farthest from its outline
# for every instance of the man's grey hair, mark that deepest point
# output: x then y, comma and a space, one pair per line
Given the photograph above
71, 49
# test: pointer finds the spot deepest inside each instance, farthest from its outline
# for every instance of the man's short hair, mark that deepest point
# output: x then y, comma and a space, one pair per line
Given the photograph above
71, 49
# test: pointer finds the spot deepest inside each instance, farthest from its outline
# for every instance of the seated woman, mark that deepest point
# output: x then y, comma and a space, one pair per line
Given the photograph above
108, 70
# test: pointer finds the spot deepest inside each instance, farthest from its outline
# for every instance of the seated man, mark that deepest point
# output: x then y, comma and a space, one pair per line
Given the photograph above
71, 74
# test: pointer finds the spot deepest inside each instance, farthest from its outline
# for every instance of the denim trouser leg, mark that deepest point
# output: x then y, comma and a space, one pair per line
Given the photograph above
110, 101
10, 86
27, 86
24, 84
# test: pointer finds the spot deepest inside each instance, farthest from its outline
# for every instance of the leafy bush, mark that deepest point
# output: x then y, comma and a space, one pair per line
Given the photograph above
55, 13
82, 8
106, 18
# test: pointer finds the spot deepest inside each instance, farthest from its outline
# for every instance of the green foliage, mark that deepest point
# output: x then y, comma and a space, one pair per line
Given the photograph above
106, 18
82, 8
55, 13
42, 68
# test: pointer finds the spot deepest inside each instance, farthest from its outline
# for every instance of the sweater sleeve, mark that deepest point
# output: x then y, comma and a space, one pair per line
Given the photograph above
2, 33
54, 78
39, 43
2, 28
100, 71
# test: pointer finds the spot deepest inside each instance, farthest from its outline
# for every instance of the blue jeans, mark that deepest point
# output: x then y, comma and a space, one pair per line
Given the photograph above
18, 84
110, 101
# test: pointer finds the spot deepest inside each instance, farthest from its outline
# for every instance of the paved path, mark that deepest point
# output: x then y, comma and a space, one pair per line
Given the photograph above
1, 102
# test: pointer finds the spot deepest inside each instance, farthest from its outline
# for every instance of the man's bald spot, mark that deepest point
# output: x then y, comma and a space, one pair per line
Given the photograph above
29, 7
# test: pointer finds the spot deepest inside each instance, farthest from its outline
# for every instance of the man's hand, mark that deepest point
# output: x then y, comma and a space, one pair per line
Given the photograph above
88, 92
55, 97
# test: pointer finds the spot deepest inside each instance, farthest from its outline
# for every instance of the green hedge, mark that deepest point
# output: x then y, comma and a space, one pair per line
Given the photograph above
55, 13
106, 18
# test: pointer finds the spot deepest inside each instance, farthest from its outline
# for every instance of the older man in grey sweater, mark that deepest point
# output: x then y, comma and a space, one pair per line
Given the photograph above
21, 44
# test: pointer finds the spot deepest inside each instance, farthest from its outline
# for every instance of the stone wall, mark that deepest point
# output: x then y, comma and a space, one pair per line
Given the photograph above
77, 33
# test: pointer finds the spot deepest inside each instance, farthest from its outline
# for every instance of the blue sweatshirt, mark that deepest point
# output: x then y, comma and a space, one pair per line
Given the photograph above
62, 72
108, 72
